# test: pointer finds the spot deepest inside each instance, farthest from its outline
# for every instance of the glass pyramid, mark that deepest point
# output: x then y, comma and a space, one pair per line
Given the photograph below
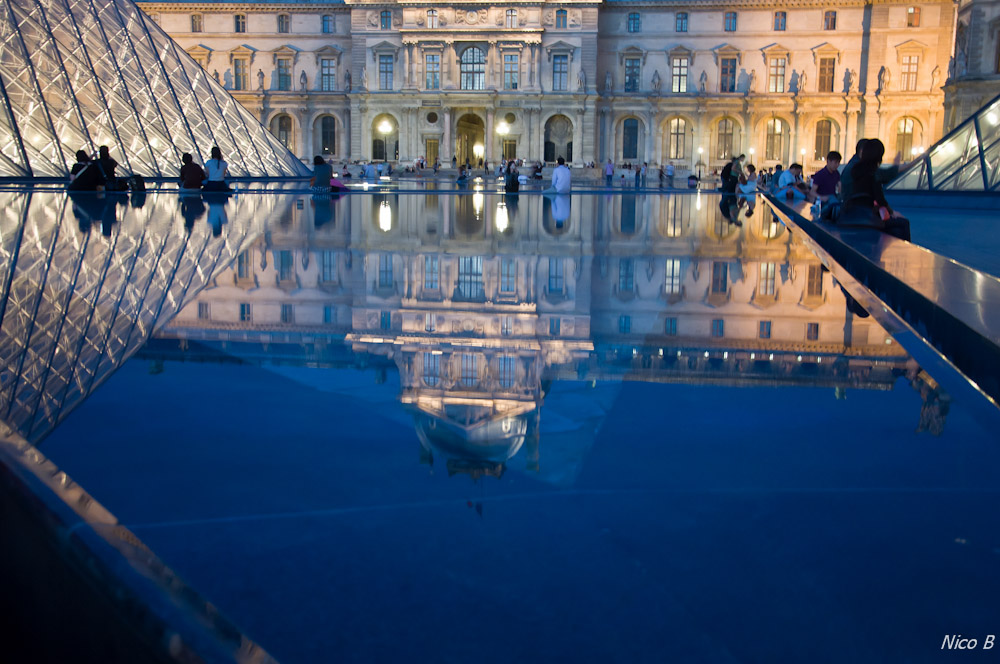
76, 74
967, 159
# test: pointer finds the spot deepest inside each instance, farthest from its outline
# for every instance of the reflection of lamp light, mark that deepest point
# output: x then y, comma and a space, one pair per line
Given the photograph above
503, 128
917, 150
384, 216
478, 150
477, 203
697, 200
385, 127
992, 117
501, 221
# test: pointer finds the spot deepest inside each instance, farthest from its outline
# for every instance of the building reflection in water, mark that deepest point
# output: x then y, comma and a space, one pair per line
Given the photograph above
483, 301
88, 279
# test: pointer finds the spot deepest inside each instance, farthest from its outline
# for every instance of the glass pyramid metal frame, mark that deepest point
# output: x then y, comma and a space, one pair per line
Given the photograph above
966, 159
77, 74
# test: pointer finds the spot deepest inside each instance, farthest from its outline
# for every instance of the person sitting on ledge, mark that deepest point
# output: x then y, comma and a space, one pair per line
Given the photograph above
561, 179
322, 175
85, 174
463, 176
192, 175
216, 170
791, 186
867, 205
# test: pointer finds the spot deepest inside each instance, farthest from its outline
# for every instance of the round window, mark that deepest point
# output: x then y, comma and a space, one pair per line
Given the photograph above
510, 117
432, 117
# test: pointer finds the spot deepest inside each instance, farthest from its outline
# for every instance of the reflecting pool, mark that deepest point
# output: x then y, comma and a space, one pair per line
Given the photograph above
443, 427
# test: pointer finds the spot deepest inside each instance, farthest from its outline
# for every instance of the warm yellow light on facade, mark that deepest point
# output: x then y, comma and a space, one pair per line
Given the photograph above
385, 127
503, 128
478, 150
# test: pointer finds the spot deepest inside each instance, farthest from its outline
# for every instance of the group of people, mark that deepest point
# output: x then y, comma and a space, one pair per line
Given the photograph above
211, 178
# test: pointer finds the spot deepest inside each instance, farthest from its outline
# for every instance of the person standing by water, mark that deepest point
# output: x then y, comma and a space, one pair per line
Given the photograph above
561, 178
216, 171
192, 175
609, 173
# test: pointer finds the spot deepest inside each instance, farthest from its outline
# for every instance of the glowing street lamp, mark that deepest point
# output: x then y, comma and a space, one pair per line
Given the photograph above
751, 154
385, 127
478, 150
803, 153
701, 151
503, 128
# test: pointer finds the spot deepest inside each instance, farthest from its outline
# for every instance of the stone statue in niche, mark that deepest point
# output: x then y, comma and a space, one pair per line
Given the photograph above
609, 82
802, 83
935, 78
260, 79
347, 81
575, 18
303, 81
752, 82
883, 79
215, 75
655, 83
703, 81
364, 78
581, 80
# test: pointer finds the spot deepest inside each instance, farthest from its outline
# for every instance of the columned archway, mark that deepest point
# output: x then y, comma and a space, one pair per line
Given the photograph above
558, 138
470, 139
385, 138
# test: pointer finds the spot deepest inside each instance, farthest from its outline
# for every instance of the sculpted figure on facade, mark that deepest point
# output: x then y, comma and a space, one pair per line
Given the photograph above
373, 19
883, 79
303, 81
581, 80
752, 82
347, 81
215, 75
364, 78
608, 82
655, 83
851, 80
935, 78
802, 83
575, 18
260, 79
703, 81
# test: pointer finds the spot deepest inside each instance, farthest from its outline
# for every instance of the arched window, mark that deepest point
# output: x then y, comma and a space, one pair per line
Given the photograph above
560, 18
284, 23
328, 135
774, 146
196, 24
904, 136
830, 20
727, 130
824, 137
473, 69
630, 139
511, 18
432, 19
678, 132
327, 24
281, 127
240, 23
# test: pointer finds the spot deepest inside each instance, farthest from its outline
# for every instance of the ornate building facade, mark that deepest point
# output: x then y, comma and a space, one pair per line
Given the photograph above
688, 82
974, 71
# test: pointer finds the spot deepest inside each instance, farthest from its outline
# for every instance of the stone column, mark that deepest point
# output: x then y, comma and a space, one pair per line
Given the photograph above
647, 153
406, 66
365, 149
490, 61
490, 137
446, 151
578, 153
308, 149
344, 138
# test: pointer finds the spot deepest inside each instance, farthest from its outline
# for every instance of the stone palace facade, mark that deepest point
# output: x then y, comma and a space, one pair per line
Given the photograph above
690, 82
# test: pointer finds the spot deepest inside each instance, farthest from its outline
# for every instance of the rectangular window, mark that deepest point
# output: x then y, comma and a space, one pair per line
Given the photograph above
554, 327
830, 20
764, 329
328, 75
556, 280
287, 313
286, 266
507, 325
913, 17
284, 23
430, 272
634, 22
204, 312
779, 21
560, 72
624, 324
385, 271
765, 286
385, 320
511, 19
432, 69
718, 327
679, 74
429, 322
239, 23
776, 75
812, 332
676, 139
196, 24
827, 67
681, 22
730, 22
432, 19
243, 269
909, 82
328, 266
727, 75
470, 277
814, 281
561, 18
510, 72
631, 74
626, 275
470, 374
385, 72
385, 20
432, 369
670, 327
506, 365
508, 275
720, 277
327, 24
284, 73
672, 286
240, 74
246, 315
329, 314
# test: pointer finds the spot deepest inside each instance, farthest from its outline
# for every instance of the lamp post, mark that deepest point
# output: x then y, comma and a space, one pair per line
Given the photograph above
803, 153
701, 163
751, 154
502, 130
385, 128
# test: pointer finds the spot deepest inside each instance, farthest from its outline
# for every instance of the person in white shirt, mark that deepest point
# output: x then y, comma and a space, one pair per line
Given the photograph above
561, 179
216, 172
790, 184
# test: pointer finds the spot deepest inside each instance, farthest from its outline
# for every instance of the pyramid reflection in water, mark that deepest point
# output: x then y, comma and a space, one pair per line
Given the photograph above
77, 74
86, 282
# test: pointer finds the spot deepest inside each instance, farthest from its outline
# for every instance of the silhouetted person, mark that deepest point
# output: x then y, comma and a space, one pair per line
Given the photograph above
322, 175
192, 209
108, 165
192, 175
85, 175
867, 205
